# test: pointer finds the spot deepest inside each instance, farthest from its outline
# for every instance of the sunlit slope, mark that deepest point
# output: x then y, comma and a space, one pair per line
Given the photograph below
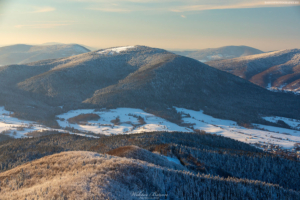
279, 70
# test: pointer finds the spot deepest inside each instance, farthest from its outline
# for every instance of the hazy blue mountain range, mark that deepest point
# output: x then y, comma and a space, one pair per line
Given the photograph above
227, 52
22, 53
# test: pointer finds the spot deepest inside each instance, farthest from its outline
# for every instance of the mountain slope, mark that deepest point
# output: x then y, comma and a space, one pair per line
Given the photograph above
275, 70
226, 52
21, 53
140, 77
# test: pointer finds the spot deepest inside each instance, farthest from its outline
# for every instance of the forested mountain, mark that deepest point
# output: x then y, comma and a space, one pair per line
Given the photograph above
227, 52
22, 53
279, 70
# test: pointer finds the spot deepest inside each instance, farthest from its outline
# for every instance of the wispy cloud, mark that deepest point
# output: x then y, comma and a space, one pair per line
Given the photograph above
40, 26
232, 4
116, 10
183, 16
111, 1
181, 5
125, 6
43, 9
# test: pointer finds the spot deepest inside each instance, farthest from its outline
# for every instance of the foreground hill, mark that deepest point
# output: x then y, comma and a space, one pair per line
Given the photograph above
31, 168
221, 53
152, 79
21, 53
279, 70
88, 175
193, 152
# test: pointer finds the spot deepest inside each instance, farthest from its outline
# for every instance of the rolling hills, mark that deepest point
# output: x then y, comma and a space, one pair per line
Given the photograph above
21, 53
279, 70
151, 79
221, 53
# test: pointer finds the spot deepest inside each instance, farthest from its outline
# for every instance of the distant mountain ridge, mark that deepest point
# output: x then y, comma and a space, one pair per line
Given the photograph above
22, 53
226, 52
278, 70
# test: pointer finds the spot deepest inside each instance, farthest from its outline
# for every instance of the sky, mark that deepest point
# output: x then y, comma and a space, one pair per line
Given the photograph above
168, 24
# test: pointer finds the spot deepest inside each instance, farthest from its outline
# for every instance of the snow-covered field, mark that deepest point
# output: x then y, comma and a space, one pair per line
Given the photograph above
129, 122
260, 134
137, 121
294, 123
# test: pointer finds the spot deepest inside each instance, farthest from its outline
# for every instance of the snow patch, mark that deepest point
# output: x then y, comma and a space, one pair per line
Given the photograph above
174, 160
215, 57
115, 50
294, 123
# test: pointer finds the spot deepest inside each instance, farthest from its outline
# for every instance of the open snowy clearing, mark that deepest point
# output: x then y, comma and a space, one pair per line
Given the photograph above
129, 122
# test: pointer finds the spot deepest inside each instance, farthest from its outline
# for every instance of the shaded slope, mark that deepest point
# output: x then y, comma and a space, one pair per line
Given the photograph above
77, 78
277, 70
221, 53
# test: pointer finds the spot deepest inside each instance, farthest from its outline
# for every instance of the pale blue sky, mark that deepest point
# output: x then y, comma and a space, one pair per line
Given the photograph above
169, 24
